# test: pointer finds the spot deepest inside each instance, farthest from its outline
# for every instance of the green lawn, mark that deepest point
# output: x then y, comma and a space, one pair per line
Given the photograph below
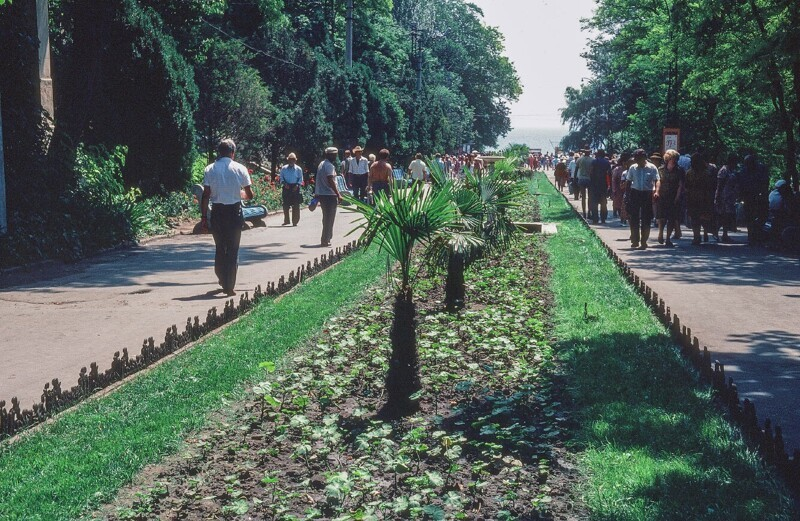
651, 444
81, 459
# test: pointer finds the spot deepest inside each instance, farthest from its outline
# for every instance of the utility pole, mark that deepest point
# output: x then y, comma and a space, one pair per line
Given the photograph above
416, 54
3, 216
348, 56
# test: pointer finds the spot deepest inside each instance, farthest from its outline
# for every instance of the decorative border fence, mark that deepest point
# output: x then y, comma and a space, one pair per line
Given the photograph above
767, 440
54, 399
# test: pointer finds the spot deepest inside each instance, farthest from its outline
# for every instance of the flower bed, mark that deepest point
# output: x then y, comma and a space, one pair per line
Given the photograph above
486, 443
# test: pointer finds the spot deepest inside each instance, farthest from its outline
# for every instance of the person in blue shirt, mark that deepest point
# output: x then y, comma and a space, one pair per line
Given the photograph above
291, 179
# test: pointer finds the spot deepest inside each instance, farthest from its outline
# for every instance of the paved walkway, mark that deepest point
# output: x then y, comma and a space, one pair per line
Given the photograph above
61, 318
741, 302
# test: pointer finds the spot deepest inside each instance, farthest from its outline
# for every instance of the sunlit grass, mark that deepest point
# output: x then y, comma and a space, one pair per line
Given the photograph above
82, 458
651, 443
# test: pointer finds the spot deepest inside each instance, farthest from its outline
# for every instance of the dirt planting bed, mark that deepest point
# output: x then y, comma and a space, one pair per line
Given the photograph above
487, 443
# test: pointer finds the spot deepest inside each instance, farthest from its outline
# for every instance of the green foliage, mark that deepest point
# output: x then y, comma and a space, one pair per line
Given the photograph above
723, 72
234, 101
653, 443
147, 418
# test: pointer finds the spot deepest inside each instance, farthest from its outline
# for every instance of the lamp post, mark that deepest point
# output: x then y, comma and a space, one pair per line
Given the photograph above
416, 54
348, 53
3, 217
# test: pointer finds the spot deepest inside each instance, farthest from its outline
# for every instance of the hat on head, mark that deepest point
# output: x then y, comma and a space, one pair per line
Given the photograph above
780, 184
291, 156
331, 150
656, 155
358, 149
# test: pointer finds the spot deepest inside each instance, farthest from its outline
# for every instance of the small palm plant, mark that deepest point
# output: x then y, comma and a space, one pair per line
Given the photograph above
413, 216
483, 200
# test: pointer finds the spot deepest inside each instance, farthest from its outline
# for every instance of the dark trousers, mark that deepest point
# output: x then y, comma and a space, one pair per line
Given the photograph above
640, 213
380, 186
291, 200
598, 198
226, 227
360, 186
328, 203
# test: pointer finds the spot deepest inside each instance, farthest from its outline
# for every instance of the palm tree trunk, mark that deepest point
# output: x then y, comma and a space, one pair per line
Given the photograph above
402, 379
454, 291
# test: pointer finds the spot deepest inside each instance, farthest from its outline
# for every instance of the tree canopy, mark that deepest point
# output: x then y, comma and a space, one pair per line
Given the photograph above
167, 79
726, 72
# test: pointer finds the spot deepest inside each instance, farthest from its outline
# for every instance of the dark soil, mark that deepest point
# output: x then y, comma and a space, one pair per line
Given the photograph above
486, 444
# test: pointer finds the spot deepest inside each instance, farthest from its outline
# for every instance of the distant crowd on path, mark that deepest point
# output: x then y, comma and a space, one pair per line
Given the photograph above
675, 190
539, 161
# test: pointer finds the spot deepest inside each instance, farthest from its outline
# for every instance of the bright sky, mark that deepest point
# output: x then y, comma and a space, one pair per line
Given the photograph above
544, 40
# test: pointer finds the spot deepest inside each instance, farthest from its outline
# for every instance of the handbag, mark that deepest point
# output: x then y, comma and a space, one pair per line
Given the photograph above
312, 205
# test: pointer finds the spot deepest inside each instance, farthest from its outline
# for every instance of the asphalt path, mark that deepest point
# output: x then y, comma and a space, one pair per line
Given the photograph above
59, 318
742, 302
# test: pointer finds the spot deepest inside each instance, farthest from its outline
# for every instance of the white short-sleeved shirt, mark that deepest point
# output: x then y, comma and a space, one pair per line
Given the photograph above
226, 178
358, 166
418, 169
324, 170
643, 179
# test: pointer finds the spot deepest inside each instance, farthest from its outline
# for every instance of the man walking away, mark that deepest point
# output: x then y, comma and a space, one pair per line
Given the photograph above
418, 169
225, 184
380, 174
599, 174
291, 179
642, 180
583, 169
358, 169
327, 194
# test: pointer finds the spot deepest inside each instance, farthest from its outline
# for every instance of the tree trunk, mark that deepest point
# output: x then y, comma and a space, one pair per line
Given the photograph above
454, 292
402, 379
794, 41
779, 100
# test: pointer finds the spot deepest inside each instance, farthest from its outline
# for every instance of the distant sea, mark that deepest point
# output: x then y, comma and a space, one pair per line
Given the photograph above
546, 138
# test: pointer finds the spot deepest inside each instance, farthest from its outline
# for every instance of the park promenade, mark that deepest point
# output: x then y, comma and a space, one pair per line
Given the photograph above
60, 318
741, 302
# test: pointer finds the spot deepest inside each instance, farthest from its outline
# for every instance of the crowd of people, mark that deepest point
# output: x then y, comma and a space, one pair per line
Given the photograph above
672, 191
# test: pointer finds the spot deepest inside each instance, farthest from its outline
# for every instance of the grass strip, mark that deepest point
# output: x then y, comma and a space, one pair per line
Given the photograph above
651, 442
81, 459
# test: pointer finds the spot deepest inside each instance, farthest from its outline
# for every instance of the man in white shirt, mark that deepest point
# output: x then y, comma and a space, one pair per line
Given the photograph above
418, 169
643, 183
225, 184
358, 169
291, 179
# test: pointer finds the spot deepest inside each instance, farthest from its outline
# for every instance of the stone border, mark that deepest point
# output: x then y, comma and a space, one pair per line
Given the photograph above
54, 400
767, 440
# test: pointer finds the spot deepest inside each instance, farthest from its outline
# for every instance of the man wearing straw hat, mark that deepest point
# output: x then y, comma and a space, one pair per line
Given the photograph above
291, 179
358, 168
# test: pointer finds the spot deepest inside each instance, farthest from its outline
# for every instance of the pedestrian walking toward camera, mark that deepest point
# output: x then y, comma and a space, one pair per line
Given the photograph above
642, 181
701, 183
291, 179
345, 169
327, 194
618, 188
754, 191
672, 179
358, 168
726, 196
225, 184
